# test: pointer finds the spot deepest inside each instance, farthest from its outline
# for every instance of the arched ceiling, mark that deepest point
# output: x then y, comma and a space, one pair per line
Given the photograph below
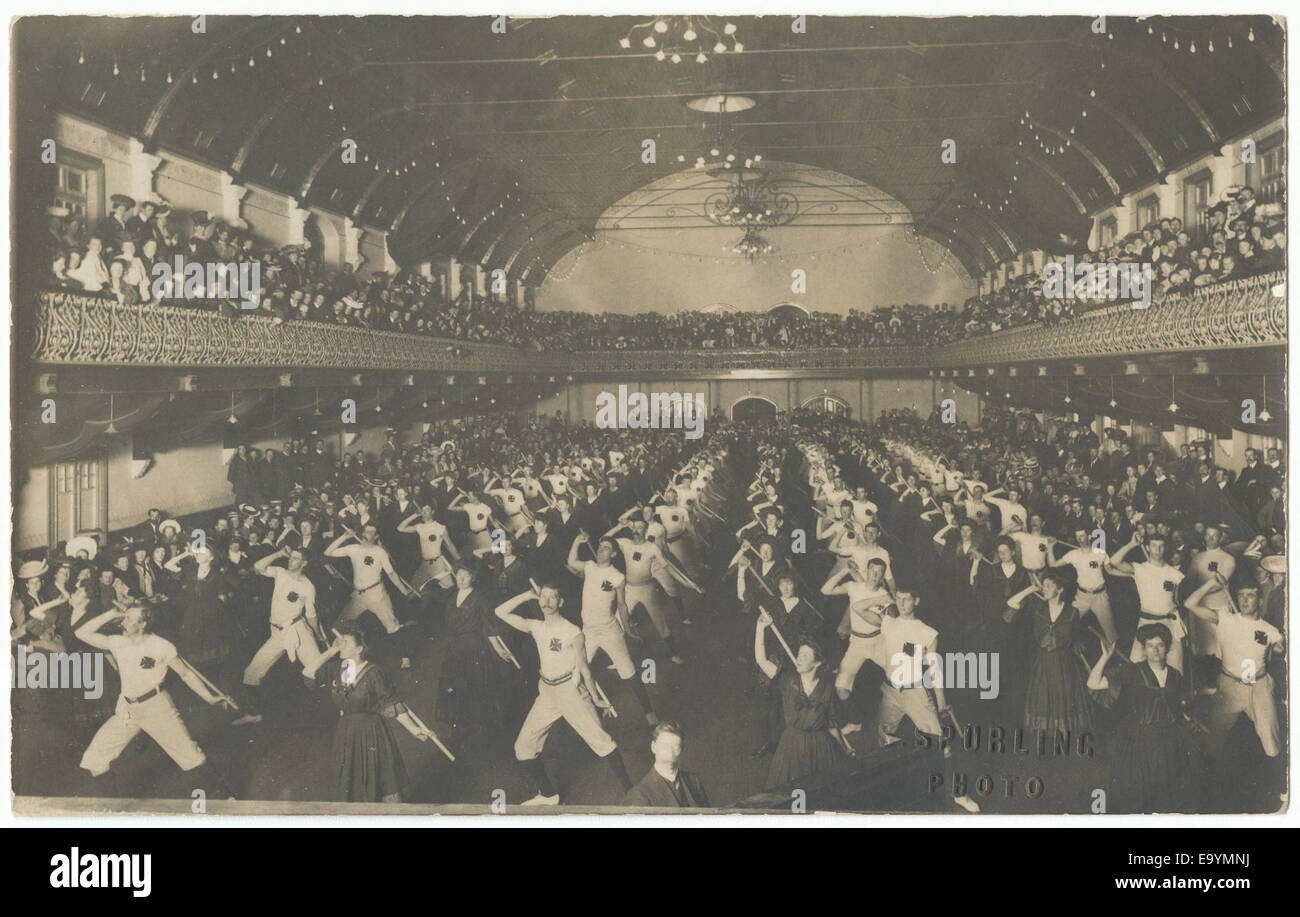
507, 148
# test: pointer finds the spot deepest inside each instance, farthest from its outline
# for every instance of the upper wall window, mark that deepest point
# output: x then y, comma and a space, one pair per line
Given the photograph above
1197, 190
1267, 173
1148, 211
1106, 231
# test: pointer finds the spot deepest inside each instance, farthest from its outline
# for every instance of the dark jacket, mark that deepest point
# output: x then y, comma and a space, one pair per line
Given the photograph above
655, 792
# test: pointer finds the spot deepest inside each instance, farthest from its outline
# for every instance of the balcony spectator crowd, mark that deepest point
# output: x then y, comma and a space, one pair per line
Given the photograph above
1238, 238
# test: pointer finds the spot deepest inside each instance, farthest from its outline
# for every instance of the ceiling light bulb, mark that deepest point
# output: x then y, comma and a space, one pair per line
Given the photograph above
689, 34
700, 58
659, 55
738, 47
729, 28
719, 48
676, 58
648, 41
661, 26
624, 43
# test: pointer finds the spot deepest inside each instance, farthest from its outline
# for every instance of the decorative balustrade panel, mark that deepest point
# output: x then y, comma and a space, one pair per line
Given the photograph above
85, 330
1232, 315
82, 329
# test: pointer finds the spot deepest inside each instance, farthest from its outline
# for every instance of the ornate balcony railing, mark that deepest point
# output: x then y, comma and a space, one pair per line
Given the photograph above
80, 329
77, 329
1245, 313
822, 358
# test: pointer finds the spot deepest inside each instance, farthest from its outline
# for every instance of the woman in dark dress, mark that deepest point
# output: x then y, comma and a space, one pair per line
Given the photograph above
1151, 760
367, 762
208, 632
811, 747
1057, 699
996, 581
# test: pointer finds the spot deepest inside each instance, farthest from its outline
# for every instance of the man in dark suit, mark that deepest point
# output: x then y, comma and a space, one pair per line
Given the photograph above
666, 785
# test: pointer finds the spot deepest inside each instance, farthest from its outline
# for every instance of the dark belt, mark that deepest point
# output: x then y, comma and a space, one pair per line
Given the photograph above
874, 633
556, 681
1169, 616
677, 537
1101, 588
143, 697
301, 616
368, 588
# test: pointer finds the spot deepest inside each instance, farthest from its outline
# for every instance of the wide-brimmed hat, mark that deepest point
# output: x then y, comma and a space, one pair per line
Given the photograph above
82, 543
1274, 563
31, 569
169, 527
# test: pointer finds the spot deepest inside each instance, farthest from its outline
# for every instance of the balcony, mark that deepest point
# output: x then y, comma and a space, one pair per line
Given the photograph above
80, 330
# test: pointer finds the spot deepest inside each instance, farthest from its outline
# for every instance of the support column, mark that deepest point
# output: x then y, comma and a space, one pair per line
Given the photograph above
297, 222
144, 165
862, 404
453, 278
232, 199
352, 236
389, 264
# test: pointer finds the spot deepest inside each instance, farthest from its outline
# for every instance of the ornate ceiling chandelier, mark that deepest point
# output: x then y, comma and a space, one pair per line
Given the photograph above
752, 245
752, 202
674, 37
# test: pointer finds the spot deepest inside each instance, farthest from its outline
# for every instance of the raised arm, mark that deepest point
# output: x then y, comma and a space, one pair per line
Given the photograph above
1195, 603
89, 632
505, 611
572, 562
333, 550
767, 666
263, 566
1116, 561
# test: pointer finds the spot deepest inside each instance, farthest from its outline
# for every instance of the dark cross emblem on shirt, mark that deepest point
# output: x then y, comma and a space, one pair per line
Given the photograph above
1042, 547
146, 662
1214, 565
556, 645
479, 516
636, 555
370, 560
292, 596
1093, 564
432, 537
1261, 638
1169, 586
606, 586
675, 517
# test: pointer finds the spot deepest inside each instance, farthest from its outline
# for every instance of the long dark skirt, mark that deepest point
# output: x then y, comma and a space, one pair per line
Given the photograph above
801, 757
368, 764
1151, 770
1057, 697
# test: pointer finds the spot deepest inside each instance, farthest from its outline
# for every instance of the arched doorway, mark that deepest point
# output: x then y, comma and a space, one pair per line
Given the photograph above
827, 404
754, 409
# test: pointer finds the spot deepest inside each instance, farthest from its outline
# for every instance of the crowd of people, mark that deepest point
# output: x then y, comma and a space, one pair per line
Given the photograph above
1239, 238
1131, 596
